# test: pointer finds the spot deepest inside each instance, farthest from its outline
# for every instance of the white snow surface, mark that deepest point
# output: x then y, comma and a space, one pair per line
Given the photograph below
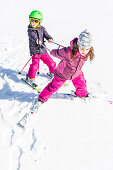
67, 133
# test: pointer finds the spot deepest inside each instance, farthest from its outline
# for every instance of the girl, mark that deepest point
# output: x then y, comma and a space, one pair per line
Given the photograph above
36, 34
70, 67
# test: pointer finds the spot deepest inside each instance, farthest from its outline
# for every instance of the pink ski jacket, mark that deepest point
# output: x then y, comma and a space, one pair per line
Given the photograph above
67, 69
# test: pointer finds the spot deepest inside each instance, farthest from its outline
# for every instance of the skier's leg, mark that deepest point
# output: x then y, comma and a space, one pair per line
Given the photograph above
33, 67
52, 87
49, 62
80, 85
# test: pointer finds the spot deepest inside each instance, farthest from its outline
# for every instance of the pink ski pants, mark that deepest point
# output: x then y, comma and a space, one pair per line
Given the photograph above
79, 84
35, 64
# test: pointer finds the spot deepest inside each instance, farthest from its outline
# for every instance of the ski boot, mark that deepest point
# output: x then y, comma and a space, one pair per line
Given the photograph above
51, 75
28, 116
36, 106
73, 93
31, 81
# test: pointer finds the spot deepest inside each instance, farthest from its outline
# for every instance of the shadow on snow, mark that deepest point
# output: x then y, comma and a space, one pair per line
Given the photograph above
7, 93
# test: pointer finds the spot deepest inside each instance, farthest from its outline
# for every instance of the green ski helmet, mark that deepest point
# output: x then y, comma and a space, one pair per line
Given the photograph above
36, 14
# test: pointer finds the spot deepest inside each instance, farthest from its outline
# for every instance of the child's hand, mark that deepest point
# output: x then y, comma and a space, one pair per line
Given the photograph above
39, 42
50, 40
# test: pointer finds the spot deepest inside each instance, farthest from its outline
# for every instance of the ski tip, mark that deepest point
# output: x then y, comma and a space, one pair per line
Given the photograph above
19, 125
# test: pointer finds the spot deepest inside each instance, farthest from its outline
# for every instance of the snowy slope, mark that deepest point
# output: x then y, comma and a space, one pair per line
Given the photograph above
66, 133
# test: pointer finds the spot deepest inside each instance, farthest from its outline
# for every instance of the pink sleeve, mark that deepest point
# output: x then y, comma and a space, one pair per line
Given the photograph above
60, 53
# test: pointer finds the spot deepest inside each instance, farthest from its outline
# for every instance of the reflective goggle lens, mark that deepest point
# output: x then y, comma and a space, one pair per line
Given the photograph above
34, 20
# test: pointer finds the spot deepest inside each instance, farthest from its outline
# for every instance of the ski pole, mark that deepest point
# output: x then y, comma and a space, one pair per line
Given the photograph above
38, 68
24, 66
38, 72
46, 47
57, 44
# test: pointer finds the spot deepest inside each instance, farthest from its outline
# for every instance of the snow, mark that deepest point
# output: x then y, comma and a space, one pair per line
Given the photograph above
66, 133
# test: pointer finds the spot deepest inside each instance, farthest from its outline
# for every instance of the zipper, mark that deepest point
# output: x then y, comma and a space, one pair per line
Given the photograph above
76, 68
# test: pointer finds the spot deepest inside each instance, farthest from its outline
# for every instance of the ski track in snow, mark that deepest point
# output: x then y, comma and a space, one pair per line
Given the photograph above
26, 146
34, 140
13, 92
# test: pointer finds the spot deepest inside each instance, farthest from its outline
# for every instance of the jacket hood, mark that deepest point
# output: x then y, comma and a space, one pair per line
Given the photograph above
73, 41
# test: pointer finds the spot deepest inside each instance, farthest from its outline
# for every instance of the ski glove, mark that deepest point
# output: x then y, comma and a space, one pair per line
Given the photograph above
50, 40
39, 42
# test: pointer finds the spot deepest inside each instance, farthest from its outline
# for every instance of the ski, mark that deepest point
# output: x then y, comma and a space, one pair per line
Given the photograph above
36, 88
73, 95
23, 120
51, 75
65, 84
28, 116
39, 89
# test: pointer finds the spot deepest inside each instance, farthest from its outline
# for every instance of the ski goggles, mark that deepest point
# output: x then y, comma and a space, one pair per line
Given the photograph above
33, 20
